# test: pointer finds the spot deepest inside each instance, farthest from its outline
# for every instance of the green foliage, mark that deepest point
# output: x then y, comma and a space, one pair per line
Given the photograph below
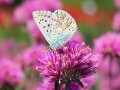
102, 4
91, 32
19, 34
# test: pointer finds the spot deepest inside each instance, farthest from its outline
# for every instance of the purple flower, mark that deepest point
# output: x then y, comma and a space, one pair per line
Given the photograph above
27, 57
106, 82
108, 48
45, 86
70, 63
116, 22
117, 3
89, 81
10, 72
108, 44
24, 12
7, 48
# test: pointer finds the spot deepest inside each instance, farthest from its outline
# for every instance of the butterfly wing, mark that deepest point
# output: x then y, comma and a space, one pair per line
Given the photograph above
49, 25
68, 27
57, 27
43, 21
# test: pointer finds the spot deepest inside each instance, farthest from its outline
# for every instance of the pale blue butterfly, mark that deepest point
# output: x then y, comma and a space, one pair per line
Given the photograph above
57, 27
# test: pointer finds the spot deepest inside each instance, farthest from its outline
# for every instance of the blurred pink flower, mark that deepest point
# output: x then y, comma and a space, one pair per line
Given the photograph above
110, 84
116, 21
28, 56
70, 63
7, 49
45, 86
89, 81
6, 1
105, 66
108, 44
108, 48
117, 3
10, 72
24, 12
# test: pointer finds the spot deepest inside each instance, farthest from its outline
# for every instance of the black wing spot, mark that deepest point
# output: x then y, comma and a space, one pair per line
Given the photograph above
48, 25
44, 26
47, 30
39, 22
45, 20
53, 34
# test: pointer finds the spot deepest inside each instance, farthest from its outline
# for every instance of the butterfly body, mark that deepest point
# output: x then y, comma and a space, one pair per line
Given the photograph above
57, 27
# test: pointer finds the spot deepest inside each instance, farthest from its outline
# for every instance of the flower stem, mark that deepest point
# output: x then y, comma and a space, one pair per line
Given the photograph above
56, 86
67, 86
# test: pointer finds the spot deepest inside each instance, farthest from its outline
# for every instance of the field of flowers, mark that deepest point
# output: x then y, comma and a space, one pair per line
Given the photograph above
90, 60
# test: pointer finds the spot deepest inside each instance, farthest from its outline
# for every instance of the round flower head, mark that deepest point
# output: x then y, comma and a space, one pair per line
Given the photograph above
10, 73
108, 45
70, 63
26, 58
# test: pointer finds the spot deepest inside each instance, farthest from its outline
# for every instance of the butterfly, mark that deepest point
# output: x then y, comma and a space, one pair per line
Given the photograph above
57, 27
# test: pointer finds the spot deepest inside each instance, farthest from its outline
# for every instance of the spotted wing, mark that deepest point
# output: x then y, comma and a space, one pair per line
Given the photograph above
68, 27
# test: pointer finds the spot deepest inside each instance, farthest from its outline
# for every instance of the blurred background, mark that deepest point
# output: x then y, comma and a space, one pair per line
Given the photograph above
98, 25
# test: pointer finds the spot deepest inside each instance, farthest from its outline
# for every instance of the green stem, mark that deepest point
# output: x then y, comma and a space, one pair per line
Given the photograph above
67, 87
